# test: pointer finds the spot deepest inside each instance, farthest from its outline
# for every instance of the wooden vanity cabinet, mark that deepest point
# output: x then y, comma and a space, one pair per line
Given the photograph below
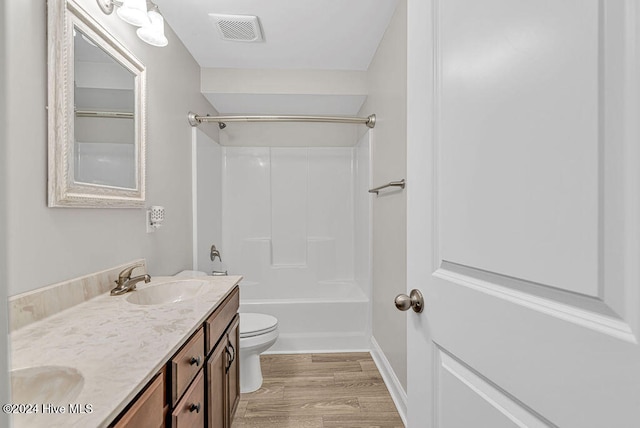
222, 369
200, 385
223, 378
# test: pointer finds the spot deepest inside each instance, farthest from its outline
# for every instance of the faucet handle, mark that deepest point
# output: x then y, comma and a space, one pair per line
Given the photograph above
215, 253
126, 273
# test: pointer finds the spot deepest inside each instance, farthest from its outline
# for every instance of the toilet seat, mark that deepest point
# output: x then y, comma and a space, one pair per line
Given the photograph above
252, 325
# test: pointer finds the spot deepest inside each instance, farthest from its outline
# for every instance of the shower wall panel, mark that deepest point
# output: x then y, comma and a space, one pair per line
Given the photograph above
289, 194
331, 204
289, 215
362, 199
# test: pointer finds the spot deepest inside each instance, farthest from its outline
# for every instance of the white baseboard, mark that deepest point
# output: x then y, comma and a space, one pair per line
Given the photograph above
398, 394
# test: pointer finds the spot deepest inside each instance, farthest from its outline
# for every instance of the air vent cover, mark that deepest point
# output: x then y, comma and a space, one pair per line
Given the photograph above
238, 28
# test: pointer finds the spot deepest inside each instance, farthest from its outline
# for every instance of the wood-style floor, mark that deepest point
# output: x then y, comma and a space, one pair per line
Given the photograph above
318, 391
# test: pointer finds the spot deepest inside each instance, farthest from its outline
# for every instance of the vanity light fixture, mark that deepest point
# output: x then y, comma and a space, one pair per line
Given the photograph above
141, 13
134, 12
153, 32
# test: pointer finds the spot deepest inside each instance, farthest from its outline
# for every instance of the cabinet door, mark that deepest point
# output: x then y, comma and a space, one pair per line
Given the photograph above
216, 385
233, 373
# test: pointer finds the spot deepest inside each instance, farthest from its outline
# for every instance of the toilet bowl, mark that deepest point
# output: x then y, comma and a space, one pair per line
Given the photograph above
258, 332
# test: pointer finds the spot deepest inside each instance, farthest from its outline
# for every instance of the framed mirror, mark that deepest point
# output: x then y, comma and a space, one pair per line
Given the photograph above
96, 114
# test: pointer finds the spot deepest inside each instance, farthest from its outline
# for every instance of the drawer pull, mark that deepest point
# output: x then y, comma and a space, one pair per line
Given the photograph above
195, 408
195, 360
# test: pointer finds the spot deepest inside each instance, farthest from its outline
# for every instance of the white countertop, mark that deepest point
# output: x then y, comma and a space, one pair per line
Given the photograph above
117, 347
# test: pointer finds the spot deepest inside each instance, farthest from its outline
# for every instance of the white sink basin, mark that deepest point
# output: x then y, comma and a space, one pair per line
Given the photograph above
56, 385
169, 292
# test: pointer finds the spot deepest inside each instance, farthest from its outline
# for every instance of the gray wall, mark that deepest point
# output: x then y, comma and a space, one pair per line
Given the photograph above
4, 338
47, 245
388, 100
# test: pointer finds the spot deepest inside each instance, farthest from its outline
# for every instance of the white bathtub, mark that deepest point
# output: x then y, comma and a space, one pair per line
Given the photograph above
326, 316
321, 317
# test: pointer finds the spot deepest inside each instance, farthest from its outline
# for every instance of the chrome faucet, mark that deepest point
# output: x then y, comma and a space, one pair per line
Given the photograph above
219, 273
125, 283
215, 253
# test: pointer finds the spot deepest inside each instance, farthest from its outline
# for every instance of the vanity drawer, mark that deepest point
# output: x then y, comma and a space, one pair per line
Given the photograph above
189, 413
217, 323
185, 364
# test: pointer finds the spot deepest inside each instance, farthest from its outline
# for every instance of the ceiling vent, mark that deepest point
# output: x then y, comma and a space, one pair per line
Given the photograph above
238, 28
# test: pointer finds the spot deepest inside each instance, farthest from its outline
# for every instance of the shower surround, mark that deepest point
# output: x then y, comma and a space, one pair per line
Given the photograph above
295, 224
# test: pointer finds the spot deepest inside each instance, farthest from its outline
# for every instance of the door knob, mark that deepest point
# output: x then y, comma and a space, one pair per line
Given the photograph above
413, 300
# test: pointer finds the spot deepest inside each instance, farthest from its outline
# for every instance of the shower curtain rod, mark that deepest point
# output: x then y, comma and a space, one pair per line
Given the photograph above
196, 120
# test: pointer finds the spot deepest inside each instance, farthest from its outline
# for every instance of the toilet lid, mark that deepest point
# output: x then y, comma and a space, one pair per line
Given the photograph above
256, 324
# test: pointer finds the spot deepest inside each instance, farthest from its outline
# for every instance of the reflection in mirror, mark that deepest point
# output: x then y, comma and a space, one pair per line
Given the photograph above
96, 108
104, 147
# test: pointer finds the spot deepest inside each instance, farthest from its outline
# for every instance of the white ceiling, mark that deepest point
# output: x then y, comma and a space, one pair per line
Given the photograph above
299, 34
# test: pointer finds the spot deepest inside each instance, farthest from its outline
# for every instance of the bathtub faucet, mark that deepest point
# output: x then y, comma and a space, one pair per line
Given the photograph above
215, 253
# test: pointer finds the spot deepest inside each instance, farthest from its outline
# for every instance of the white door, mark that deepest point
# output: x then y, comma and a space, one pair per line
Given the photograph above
524, 213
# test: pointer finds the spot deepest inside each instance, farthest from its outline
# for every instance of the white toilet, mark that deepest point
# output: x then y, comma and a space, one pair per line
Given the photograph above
258, 332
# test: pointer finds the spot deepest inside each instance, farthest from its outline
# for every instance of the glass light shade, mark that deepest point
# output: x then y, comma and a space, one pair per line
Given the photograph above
134, 12
153, 33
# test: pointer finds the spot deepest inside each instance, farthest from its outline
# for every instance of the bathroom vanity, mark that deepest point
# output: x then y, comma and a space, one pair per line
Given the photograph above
199, 383
151, 357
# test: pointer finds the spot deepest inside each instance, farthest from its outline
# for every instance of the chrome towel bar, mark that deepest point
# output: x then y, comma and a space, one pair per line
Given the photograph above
400, 184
